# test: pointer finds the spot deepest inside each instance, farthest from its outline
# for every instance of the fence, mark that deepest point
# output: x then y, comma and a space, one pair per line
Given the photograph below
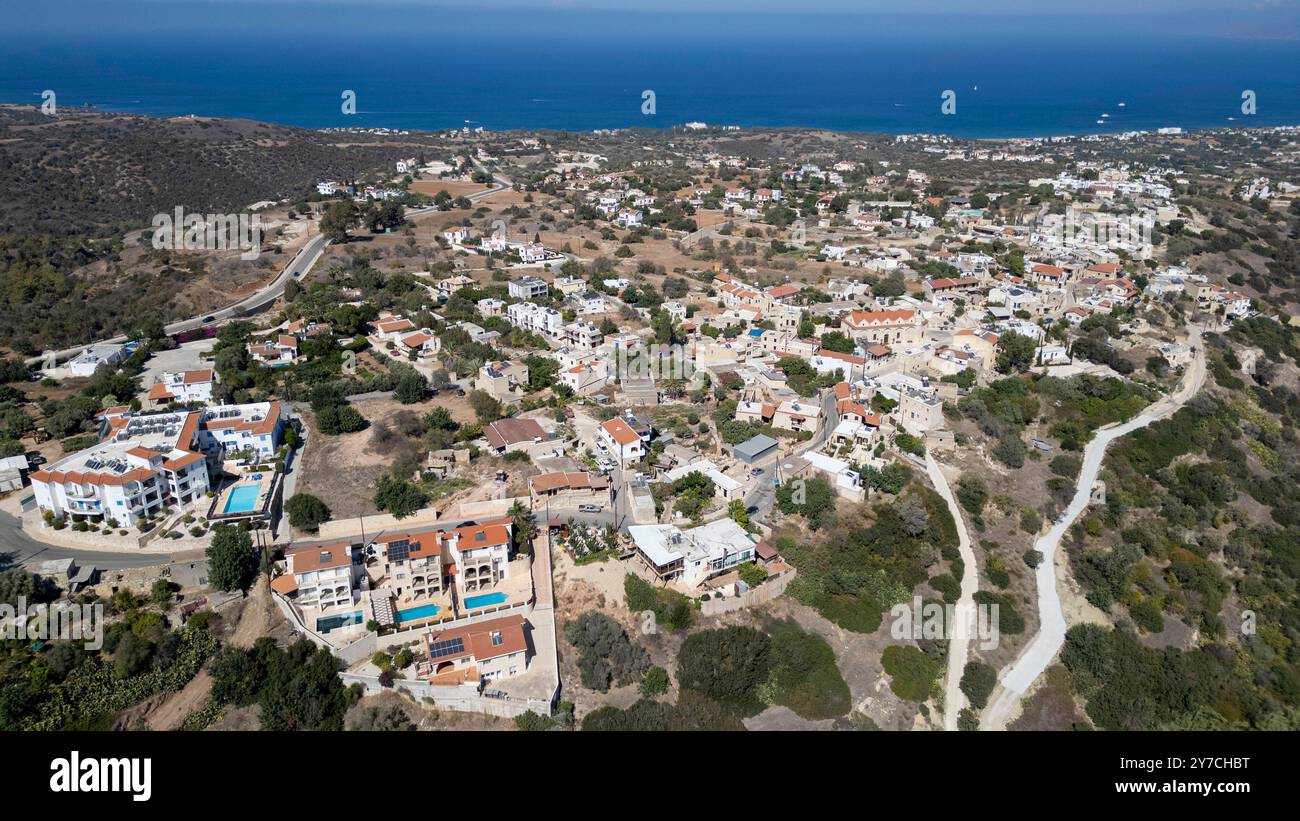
463, 698
764, 593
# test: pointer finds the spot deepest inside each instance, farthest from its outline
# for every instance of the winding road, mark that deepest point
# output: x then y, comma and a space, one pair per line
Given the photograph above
1035, 658
299, 265
963, 622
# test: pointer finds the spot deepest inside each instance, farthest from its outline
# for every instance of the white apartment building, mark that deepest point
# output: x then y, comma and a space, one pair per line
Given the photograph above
586, 378
583, 335
532, 317
147, 462
588, 303
224, 430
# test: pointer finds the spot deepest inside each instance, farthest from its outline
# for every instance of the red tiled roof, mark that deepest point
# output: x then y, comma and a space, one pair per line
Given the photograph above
620, 431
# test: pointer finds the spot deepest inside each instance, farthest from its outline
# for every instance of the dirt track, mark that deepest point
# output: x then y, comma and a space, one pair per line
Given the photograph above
255, 620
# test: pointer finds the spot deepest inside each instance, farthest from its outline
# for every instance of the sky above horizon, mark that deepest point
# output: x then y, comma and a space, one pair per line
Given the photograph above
1274, 19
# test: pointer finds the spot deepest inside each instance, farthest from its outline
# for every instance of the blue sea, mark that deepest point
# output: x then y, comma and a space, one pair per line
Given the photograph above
579, 72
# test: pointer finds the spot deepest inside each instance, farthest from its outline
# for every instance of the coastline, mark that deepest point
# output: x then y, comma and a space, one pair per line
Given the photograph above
398, 130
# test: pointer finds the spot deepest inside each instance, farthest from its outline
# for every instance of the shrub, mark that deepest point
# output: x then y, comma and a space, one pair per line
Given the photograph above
606, 653
654, 682
977, 682
727, 664
972, 495
912, 673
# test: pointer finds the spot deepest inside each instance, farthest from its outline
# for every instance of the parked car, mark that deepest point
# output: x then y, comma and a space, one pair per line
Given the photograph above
589, 508
209, 318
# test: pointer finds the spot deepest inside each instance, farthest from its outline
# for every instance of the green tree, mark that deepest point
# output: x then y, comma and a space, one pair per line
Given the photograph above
751, 574
912, 673
411, 387
655, 682
737, 513
972, 495
1015, 352
399, 497
524, 525
728, 665
811, 498
306, 512
340, 217
837, 341
486, 408
232, 563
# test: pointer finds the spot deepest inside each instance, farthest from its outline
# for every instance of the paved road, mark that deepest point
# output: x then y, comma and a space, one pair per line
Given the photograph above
18, 548
1035, 658
299, 265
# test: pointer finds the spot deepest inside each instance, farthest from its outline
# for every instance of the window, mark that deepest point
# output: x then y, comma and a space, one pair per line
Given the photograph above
497, 639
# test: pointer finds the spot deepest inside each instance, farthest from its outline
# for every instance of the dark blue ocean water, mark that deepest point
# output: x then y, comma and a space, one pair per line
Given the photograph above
1050, 82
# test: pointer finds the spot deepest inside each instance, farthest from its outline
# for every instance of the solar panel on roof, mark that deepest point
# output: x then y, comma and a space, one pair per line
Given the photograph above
447, 647
399, 551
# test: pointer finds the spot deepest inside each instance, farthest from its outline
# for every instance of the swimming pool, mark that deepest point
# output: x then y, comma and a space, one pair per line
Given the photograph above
484, 600
242, 499
327, 623
424, 611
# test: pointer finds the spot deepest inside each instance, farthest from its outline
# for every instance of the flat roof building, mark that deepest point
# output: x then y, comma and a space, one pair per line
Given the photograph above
755, 449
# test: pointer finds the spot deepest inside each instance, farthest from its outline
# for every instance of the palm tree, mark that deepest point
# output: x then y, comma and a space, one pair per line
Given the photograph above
525, 528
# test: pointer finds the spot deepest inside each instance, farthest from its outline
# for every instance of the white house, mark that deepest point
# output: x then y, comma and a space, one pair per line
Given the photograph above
696, 554
182, 387
528, 288
624, 443
85, 363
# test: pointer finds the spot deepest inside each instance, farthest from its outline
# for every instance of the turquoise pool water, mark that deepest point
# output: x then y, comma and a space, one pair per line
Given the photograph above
484, 600
328, 623
424, 611
242, 499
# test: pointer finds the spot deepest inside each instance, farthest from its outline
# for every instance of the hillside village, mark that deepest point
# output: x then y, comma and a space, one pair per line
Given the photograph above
529, 391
